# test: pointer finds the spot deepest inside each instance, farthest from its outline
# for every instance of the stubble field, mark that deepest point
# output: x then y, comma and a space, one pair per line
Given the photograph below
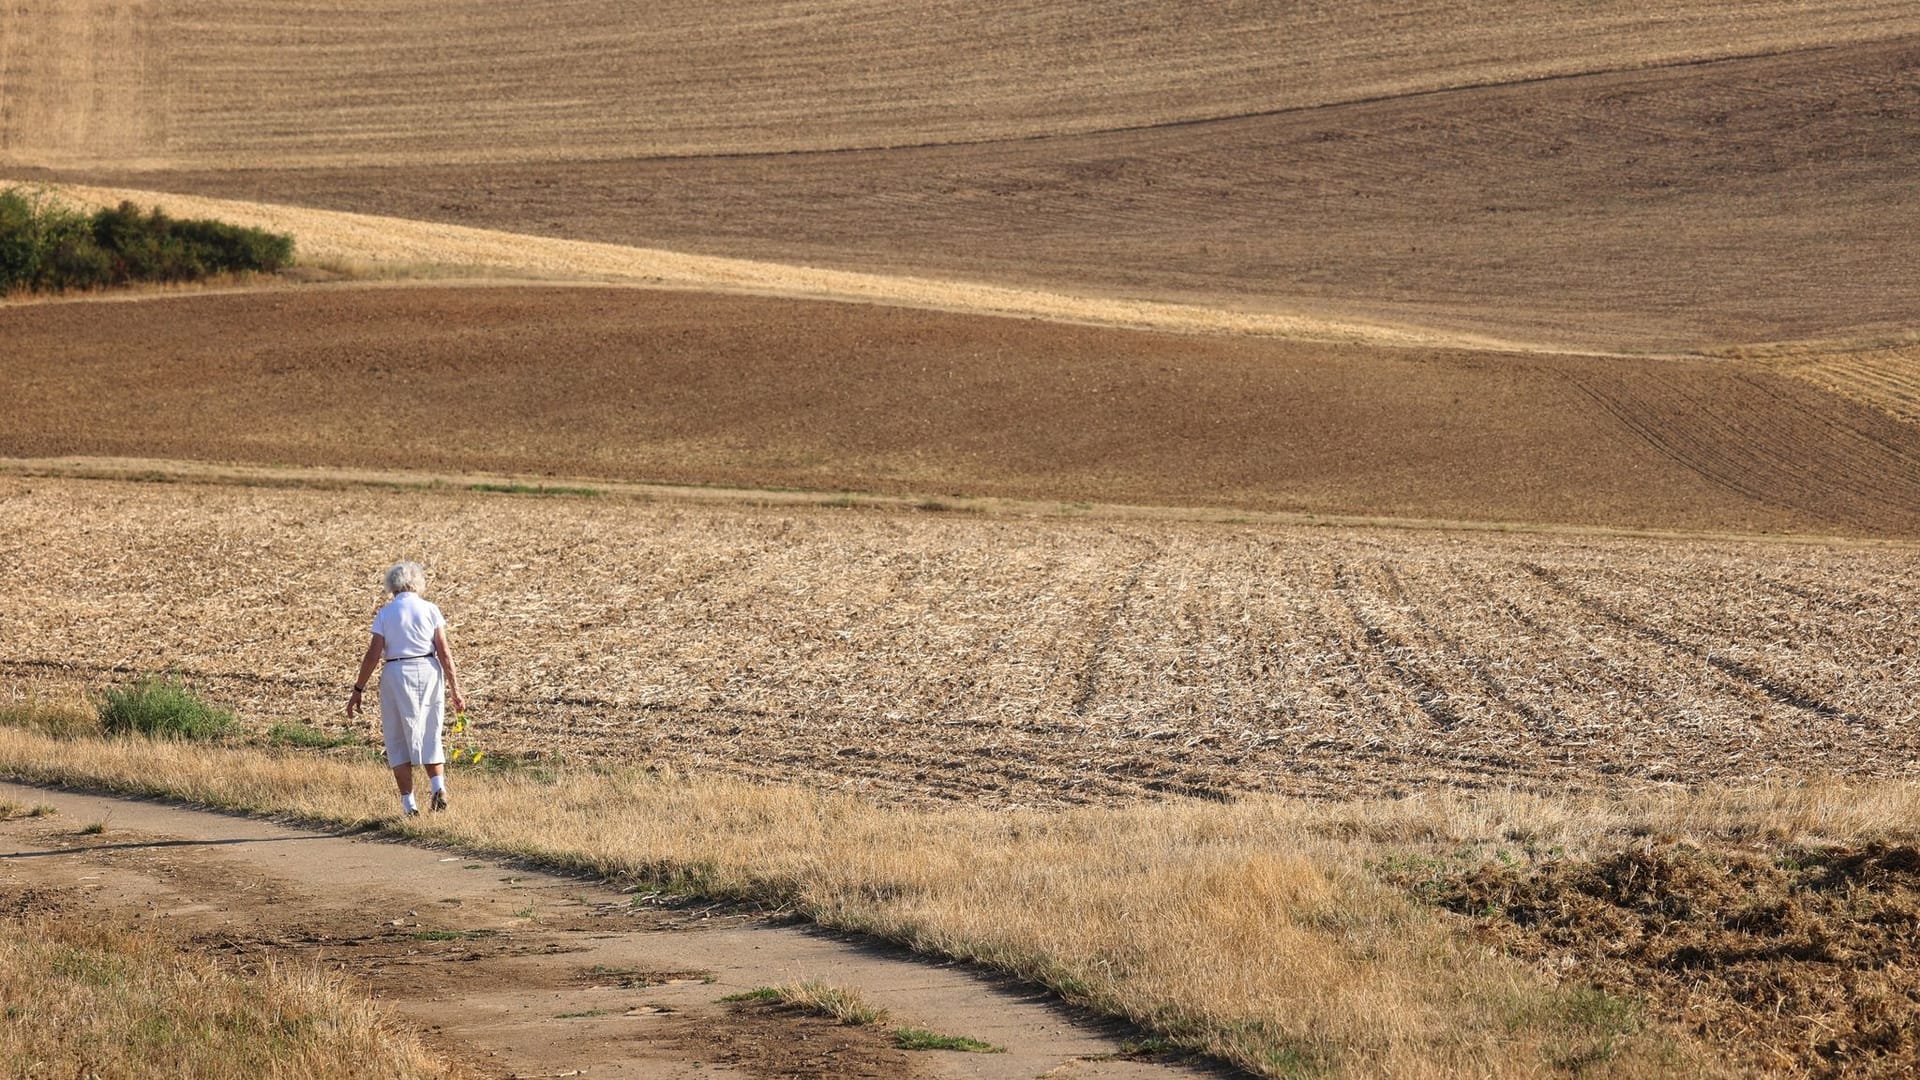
942, 657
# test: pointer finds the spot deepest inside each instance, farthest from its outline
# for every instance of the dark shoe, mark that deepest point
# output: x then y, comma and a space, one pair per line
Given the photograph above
439, 801
409, 813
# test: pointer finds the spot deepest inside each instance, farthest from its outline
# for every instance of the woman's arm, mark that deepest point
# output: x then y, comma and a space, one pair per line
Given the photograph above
374, 648
445, 652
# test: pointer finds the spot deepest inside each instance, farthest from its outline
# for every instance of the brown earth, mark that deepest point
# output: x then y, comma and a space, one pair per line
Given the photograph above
321, 81
517, 973
1802, 962
1697, 206
689, 388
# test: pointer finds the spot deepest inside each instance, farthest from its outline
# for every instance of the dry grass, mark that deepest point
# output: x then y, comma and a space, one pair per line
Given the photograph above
843, 1003
1887, 379
851, 1007
387, 248
11, 810
88, 999
1253, 931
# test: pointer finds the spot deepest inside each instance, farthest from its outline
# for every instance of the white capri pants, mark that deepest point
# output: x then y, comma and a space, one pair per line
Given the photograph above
413, 703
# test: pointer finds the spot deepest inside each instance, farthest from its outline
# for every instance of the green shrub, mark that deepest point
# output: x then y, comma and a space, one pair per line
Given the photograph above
163, 709
47, 246
20, 245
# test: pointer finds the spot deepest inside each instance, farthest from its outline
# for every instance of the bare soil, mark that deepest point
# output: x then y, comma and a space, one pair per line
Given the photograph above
689, 388
212, 82
517, 973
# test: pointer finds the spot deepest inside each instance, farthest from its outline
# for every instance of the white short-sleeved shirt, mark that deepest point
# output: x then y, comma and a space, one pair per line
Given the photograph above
407, 623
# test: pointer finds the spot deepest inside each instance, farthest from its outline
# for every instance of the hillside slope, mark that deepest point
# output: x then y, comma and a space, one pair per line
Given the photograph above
1679, 208
686, 387
305, 82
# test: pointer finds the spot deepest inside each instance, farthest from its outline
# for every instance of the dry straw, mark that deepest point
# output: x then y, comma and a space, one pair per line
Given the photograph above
91, 999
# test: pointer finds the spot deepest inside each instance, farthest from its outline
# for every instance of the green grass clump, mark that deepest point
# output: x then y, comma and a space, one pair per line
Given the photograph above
163, 709
922, 1039
47, 246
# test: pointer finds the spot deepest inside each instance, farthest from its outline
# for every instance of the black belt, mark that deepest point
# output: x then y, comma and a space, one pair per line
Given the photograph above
422, 656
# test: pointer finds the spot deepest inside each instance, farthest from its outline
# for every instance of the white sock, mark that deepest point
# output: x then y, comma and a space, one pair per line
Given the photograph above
407, 803
439, 784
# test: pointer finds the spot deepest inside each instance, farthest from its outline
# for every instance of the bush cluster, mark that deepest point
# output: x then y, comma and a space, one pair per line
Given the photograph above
48, 246
163, 709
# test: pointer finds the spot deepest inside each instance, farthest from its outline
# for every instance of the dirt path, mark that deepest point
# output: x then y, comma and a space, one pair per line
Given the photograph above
527, 974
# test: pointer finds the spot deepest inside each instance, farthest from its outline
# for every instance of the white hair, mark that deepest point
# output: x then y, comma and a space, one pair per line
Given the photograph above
406, 577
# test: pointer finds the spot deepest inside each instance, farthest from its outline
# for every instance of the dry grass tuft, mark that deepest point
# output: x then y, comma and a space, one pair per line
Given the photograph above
60, 719
90, 1000
842, 1003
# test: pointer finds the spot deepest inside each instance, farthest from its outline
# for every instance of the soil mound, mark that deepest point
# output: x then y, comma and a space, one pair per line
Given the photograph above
1798, 960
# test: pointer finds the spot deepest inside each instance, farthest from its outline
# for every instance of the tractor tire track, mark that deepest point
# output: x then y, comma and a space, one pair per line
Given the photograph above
1815, 446
1088, 681
1778, 691
1431, 696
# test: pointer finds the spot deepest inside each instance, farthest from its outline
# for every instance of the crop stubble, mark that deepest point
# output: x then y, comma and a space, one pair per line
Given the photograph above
922, 658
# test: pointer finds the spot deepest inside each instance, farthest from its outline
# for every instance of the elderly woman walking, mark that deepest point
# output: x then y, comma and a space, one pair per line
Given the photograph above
410, 637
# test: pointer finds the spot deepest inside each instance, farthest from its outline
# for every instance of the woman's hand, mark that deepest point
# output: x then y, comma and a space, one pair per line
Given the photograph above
376, 647
459, 703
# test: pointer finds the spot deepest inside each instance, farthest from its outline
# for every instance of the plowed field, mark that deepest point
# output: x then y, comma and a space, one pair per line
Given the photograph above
691, 388
936, 657
317, 81
1569, 175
